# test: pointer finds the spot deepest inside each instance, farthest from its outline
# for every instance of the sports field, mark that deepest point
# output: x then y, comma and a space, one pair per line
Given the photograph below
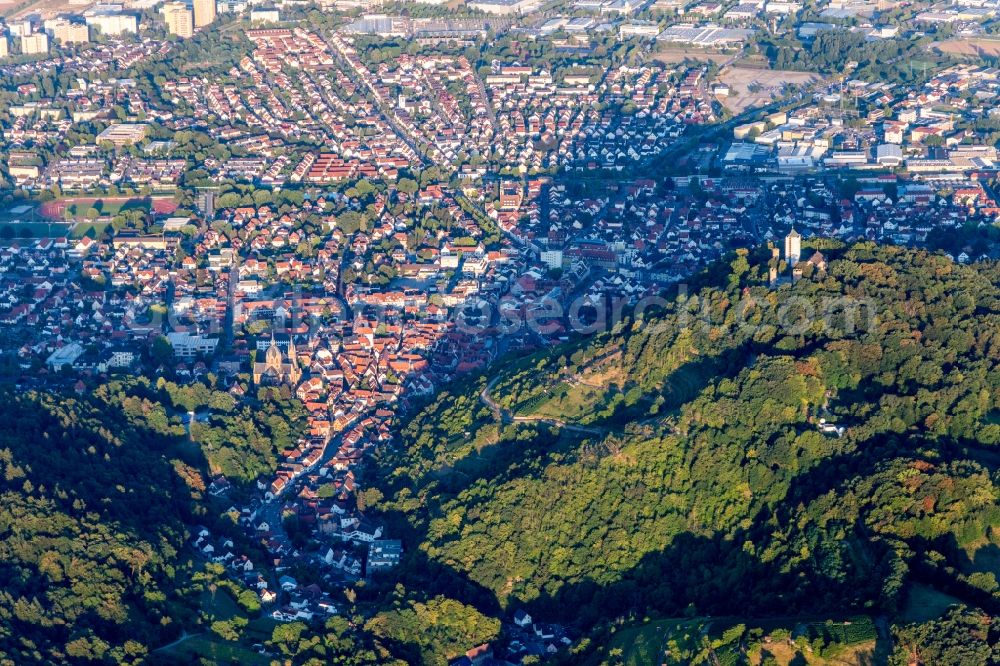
105, 206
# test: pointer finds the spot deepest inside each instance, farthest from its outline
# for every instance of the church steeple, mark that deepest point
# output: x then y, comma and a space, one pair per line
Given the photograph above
273, 358
274, 369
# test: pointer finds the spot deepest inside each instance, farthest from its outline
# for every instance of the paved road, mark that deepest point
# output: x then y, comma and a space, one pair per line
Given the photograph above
230, 319
368, 90
270, 512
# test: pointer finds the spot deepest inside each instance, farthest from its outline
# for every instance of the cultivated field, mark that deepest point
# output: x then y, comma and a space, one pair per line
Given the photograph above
674, 54
13, 9
752, 87
969, 47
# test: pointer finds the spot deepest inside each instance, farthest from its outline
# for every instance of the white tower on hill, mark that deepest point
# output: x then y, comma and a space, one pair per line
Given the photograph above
793, 248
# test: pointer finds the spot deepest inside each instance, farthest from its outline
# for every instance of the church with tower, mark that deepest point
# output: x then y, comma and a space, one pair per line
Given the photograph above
275, 369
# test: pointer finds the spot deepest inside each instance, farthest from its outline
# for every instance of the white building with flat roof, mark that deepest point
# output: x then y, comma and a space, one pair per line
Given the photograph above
704, 35
186, 345
35, 43
111, 20
64, 356
67, 32
123, 134
506, 7
889, 154
265, 16
551, 258
639, 29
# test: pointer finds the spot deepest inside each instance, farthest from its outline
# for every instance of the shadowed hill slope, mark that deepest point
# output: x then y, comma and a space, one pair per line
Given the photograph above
812, 447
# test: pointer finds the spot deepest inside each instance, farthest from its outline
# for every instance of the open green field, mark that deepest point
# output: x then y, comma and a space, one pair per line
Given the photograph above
213, 648
21, 221
207, 645
219, 606
924, 603
732, 641
563, 401
91, 229
107, 208
577, 402
260, 629
645, 645
28, 230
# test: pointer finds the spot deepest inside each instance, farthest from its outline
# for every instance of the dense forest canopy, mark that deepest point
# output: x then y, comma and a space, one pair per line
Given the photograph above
733, 456
100, 495
91, 520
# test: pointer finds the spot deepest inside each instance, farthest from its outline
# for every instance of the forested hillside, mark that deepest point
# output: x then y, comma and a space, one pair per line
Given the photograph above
732, 457
98, 497
91, 518
719, 456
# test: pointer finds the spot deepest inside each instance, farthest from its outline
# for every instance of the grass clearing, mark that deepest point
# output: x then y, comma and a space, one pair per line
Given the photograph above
564, 401
730, 641
214, 649
261, 628
220, 605
924, 603
89, 229
789, 655
644, 645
